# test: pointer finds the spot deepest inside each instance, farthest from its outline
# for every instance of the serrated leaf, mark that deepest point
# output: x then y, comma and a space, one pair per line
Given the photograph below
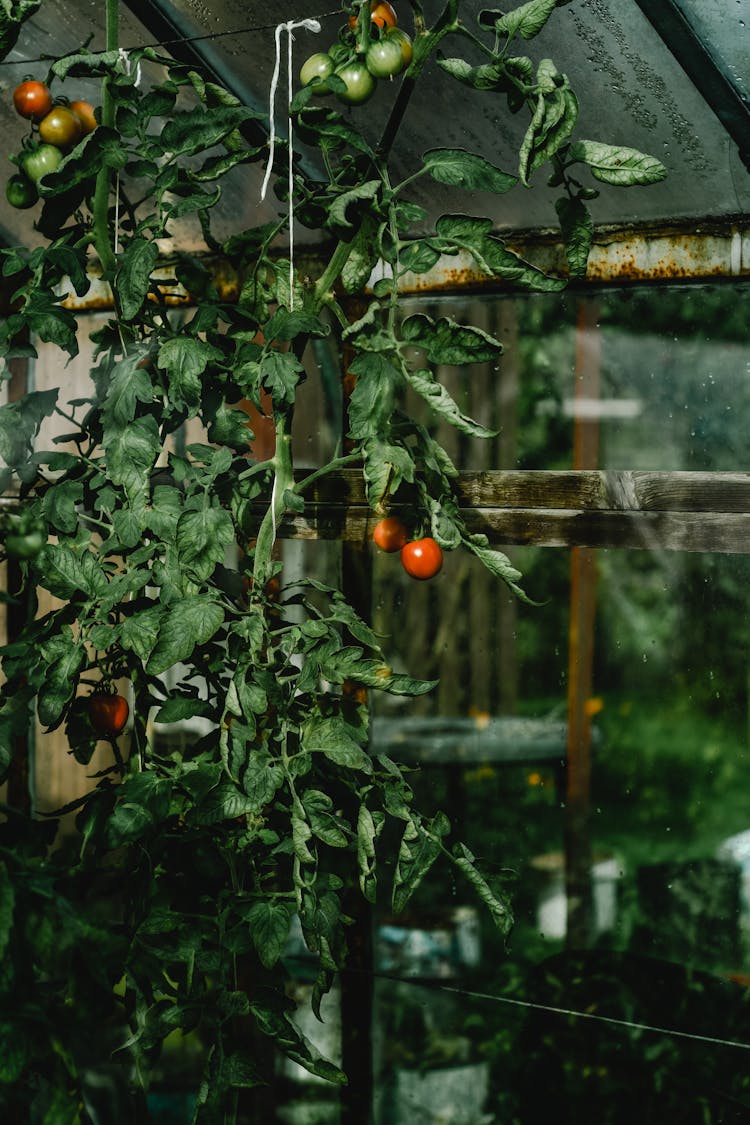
132, 451
553, 121
330, 736
269, 928
459, 168
475, 235
420, 847
613, 164
363, 256
185, 358
526, 21
199, 129
359, 198
202, 538
438, 398
385, 468
133, 276
186, 624
140, 632
127, 385
60, 505
66, 573
499, 909
577, 228
445, 341
374, 395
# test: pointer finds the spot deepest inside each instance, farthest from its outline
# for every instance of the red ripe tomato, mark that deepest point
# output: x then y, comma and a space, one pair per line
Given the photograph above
60, 128
84, 111
422, 558
390, 534
108, 714
382, 15
32, 100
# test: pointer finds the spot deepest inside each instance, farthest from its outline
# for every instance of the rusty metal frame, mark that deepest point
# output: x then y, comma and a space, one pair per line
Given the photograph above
695, 251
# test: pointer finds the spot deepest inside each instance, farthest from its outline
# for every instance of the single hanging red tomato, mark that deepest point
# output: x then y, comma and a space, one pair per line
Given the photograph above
32, 99
108, 713
422, 558
390, 534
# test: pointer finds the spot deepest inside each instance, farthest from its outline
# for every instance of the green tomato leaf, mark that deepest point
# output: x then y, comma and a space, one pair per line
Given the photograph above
420, 847
554, 120
385, 468
526, 21
577, 229
459, 168
202, 537
613, 164
331, 737
131, 452
435, 394
68, 574
133, 275
374, 396
269, 929
185, 358
445, 341
184, 625
475, 236
199, 129
359, 199
60, 505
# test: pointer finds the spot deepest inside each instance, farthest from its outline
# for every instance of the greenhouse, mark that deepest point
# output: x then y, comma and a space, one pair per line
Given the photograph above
375, 688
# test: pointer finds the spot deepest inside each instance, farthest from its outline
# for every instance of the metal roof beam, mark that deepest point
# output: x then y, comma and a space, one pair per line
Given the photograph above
703, 70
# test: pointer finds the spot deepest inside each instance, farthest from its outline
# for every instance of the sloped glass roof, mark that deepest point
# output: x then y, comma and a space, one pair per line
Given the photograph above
632, 89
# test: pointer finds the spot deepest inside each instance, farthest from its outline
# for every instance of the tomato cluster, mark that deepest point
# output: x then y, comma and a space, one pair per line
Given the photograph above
420, 558
360, 56
56, 127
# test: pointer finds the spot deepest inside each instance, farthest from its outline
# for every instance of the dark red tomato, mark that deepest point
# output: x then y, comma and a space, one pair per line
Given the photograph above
32, 100
84, 111
20, 192
390, 534
422, 558
60, 128
382, 15
108, 714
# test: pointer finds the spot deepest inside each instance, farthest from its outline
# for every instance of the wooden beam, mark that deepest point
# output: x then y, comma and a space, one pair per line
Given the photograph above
680, 511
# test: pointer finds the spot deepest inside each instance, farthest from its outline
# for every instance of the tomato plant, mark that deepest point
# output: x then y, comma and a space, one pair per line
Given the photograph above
422, 558
39, 159
32, 99
108, 713
159, 552
20, 191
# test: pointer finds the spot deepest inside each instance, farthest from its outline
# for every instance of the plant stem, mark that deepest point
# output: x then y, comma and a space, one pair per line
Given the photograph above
101, 193
331, 467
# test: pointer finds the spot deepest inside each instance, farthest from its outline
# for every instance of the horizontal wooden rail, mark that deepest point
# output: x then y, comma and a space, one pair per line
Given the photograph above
682, 511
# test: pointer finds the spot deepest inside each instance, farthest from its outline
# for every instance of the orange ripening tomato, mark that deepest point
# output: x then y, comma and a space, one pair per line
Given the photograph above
108, 714
84, 111
422, 558
390, 534
382, 15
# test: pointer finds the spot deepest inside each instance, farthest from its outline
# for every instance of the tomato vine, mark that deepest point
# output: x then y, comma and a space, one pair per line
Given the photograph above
175, 897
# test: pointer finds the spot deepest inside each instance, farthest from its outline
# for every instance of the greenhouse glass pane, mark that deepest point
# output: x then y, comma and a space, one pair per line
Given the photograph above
724, 27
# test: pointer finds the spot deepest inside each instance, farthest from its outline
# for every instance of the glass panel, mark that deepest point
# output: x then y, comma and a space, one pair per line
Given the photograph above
723, 27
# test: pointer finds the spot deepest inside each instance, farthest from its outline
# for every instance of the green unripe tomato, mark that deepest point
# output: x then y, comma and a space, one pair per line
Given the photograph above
26, 546
398, 35
39, 160
20, 192
360, 84
315, 70
384, 58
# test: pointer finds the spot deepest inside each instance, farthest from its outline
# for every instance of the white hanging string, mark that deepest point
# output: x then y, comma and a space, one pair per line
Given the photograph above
289, 26
124, 57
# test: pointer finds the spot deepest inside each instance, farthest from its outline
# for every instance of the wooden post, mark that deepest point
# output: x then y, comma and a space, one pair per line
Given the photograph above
578, 854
